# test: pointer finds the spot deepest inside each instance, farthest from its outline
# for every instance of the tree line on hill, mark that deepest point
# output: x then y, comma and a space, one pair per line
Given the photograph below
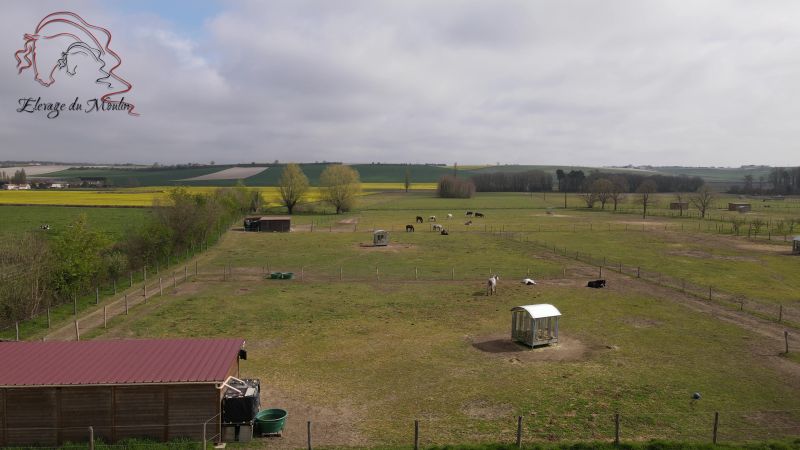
40, 271
780, 181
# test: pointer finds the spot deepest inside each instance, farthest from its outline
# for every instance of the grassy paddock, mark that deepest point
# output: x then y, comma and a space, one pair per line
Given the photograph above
378, 354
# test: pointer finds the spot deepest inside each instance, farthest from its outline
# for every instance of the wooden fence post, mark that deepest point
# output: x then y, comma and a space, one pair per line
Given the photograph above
377, 275
786, 340
144, 292
416, 274
340, 273
77, 331
519, 431
16, 327
601, 272
780, 313
709, 292
716, 424
115, 286
96, 295
75, 305
416, 434
309, 435
105, 316
126, 304
185, 273
91, 438
453, 274
302, 273
131, 275
48, 317
160, 288
616, 429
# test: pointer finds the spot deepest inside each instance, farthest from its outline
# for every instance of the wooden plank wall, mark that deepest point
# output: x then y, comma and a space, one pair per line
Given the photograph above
31, 416
52, 416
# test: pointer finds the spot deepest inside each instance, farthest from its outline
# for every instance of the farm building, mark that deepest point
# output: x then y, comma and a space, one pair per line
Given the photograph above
16, 187
796, 245
268, 223
741, 207
380, 238
679, 205
162, 389
535, 325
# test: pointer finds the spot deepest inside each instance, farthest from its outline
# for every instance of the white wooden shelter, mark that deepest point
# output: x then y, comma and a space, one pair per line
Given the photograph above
535, 325
380, 238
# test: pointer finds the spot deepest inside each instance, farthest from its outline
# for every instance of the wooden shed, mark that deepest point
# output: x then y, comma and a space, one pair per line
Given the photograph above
535, 325
282, 224
796, 245
681, 206
741, 207
52, 392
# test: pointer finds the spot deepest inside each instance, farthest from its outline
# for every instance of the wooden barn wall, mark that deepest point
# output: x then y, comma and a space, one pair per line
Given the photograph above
31, 416
52, 416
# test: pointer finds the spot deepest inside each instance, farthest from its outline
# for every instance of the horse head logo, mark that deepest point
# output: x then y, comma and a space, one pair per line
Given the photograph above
65, 43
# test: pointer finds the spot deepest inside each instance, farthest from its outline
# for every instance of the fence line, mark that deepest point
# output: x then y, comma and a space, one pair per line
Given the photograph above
531, 427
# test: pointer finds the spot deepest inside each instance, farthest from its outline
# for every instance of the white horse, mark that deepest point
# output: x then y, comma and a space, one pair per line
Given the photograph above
449, 216
491, 285
437, 227
529, 282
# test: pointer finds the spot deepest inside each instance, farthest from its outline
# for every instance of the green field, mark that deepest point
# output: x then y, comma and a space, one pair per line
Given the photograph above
408, 333
113, 221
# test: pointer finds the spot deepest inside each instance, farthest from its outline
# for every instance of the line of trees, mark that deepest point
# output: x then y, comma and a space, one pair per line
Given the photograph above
577, 181
19, 177
40, 271
340, 186
528, 181
453, 187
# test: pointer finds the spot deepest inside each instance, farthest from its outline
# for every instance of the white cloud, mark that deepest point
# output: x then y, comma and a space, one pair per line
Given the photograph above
576, 82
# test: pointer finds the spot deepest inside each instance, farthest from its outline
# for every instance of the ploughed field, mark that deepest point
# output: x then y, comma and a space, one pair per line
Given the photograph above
365, 340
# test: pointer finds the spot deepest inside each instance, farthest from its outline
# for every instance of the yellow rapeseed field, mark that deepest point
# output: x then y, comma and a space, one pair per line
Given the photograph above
143, 197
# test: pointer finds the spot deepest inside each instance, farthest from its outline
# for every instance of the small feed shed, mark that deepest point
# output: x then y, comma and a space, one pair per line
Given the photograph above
796, 245
281, 224
162, 389
679, 206
380, 238
741, 207
535, 325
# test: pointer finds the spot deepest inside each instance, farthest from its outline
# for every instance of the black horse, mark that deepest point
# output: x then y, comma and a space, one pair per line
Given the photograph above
409, 228
444, 232
419, 219
477, 214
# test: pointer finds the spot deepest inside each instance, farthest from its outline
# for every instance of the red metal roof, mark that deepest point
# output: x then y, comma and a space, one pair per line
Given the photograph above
116, 361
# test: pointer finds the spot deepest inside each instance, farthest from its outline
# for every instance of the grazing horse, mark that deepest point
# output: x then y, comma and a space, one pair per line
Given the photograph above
449, 216
491, 285
468, 214
437, 227
529, 282
432, 219
409, 228
469, 222
444, 232
419, 219
477, 214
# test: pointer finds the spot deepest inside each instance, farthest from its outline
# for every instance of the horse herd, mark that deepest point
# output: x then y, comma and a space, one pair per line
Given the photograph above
440, 228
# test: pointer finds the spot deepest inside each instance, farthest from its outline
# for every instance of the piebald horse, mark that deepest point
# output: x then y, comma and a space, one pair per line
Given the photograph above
491, 285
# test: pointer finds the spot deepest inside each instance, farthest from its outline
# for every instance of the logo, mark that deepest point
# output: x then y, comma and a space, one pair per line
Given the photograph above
64, 45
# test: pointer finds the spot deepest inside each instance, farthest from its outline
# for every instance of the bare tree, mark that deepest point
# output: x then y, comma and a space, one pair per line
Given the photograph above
681, 198
645, 190
603, 187
619, 186
703, 199
589, 196
292, 186
340, 186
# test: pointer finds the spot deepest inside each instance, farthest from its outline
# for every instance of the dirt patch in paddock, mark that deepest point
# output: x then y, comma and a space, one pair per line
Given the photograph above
188, 288
392, 248
502, 347
486, 410
551, 215
706, 255
333, 426
769, 248
351, 221
642, 322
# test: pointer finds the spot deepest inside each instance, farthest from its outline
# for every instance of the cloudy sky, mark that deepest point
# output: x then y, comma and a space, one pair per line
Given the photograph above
530, 82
